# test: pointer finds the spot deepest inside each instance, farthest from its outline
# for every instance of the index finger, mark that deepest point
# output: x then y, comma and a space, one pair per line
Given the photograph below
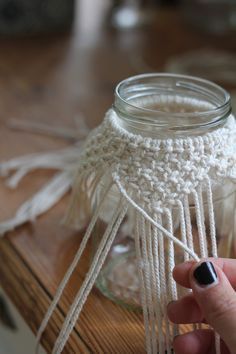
181, 271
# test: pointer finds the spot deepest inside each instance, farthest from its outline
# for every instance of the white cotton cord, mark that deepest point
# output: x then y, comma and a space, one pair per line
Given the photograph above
163, 280
173, 294
13, 164
70, 269
87, 279
201, 235
15, 179
211, 219
142, 283
93, 273
156, 282
59, 159
98, 178
90, 278
183, 228
213, 242
167, 234
189, 233
188, 221
153, 256
41, 202
201, 203
49, 194
147, 271
198, 210
201, 221
171, 257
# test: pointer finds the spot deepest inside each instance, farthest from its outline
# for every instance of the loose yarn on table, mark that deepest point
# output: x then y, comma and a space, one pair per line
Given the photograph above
159, 180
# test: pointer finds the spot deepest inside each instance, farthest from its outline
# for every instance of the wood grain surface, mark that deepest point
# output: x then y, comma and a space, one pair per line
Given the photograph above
54, 79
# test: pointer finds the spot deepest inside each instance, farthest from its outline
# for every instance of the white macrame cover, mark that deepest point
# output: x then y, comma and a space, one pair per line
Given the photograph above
156, 179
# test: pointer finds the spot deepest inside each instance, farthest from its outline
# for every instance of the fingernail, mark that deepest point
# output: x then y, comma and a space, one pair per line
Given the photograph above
205, 274
171, 302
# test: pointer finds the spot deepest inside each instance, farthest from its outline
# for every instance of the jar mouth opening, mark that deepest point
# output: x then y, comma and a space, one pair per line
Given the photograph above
205, 102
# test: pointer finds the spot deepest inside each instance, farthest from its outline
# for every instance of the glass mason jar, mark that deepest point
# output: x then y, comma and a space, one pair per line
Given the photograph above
163, 106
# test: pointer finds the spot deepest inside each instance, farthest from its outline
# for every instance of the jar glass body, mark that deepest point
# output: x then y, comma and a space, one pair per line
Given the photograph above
162, 107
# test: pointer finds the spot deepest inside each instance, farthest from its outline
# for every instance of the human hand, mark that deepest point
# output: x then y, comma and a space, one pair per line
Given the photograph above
212, 301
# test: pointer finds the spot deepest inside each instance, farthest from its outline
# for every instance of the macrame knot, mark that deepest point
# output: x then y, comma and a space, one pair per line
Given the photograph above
162, 171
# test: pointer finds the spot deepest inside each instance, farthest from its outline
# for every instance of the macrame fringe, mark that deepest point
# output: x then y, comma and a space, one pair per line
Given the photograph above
71, 268
155, 248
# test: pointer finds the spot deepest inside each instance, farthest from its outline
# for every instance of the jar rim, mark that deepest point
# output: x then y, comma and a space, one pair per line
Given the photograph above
139, 83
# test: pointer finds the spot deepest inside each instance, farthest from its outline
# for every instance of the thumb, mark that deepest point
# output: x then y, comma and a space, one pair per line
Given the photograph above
217, 300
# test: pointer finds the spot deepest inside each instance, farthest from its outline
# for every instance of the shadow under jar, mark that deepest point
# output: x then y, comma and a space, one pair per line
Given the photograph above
162, 106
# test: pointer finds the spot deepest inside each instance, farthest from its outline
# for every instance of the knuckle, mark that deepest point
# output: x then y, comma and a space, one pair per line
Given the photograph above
221, 309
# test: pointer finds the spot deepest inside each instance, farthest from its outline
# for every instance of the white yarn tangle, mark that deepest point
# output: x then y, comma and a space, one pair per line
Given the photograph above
60, 160
161, 181
63, 161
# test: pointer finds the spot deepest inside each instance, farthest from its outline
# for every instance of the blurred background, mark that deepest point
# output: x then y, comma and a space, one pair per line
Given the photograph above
60, 61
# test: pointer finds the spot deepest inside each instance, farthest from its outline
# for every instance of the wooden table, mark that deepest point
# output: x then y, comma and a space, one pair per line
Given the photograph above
53, 79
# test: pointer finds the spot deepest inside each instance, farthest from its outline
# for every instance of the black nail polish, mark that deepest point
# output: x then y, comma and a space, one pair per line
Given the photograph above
205, 274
